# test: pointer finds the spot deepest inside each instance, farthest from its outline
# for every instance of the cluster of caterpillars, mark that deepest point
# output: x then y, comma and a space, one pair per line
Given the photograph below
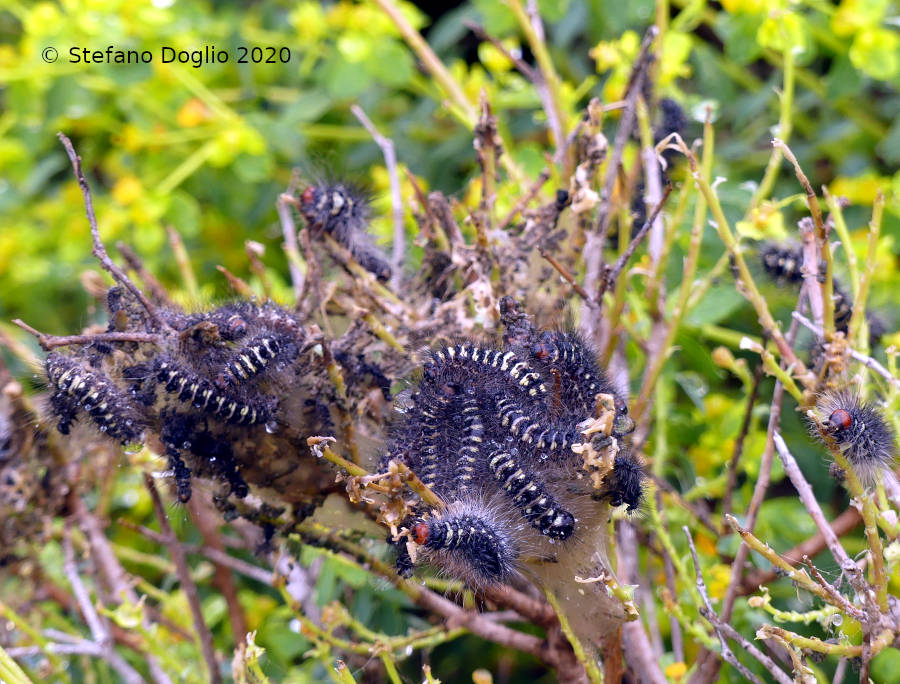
491, 432
210, 388
786, 264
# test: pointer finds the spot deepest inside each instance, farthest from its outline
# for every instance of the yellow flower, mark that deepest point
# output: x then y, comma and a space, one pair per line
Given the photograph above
744, 6
876, 51
675, 670
192, 113
859, 190
719, 577
127, 190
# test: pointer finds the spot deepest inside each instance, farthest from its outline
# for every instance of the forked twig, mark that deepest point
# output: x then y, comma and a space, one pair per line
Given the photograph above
99, 250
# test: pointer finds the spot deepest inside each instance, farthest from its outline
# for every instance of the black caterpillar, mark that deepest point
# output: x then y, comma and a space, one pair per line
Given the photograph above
625, 484
203, 395
341, 211
860, 430
252, 359
499, 425
537, 505
77, 387
785, 264
471, 539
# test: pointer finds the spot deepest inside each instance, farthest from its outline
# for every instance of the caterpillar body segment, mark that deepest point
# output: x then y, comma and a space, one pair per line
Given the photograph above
201, 393
580, 378
342, 211
503, 367
861, 431
471, 542
254, 358
530, 426
471, 444
78, 387
531, 497
625, 483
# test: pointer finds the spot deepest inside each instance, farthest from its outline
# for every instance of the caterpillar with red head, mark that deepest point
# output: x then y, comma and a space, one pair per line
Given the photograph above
470, 541
861, 432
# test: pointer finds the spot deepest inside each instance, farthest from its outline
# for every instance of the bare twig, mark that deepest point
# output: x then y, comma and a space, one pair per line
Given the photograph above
523, 201
867, 361
183, 261
237, 284
155, 289
187, 583
289, 232
638, 650
568, 277
815, 511
845, 523
626, 126
112, 572
49, 342
99, 250
739, 443
727, 653
102, 639
217, 556
223, 581
390, 161
611, 273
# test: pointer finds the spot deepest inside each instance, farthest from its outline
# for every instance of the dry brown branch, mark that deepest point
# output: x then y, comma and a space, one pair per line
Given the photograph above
525, 199
99, 250
568, 277
708, 612
289, 232
237, 284
187, 583
49, 342
867, 361
739, 445
112, 572
638, 650
222, 580
102, 645
623, 134
611, 273
216, 555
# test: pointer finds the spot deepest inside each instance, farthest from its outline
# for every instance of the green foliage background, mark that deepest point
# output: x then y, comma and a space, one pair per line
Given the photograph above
207, 150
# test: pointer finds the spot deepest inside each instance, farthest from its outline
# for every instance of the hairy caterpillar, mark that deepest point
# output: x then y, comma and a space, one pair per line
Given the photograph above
524, 423
860, 430
496, 363
341, 211
470, 445
253, 358
470, 541
625, 483
77, 387
500, 425
537, 505
785, 263
202, 394
581, 380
